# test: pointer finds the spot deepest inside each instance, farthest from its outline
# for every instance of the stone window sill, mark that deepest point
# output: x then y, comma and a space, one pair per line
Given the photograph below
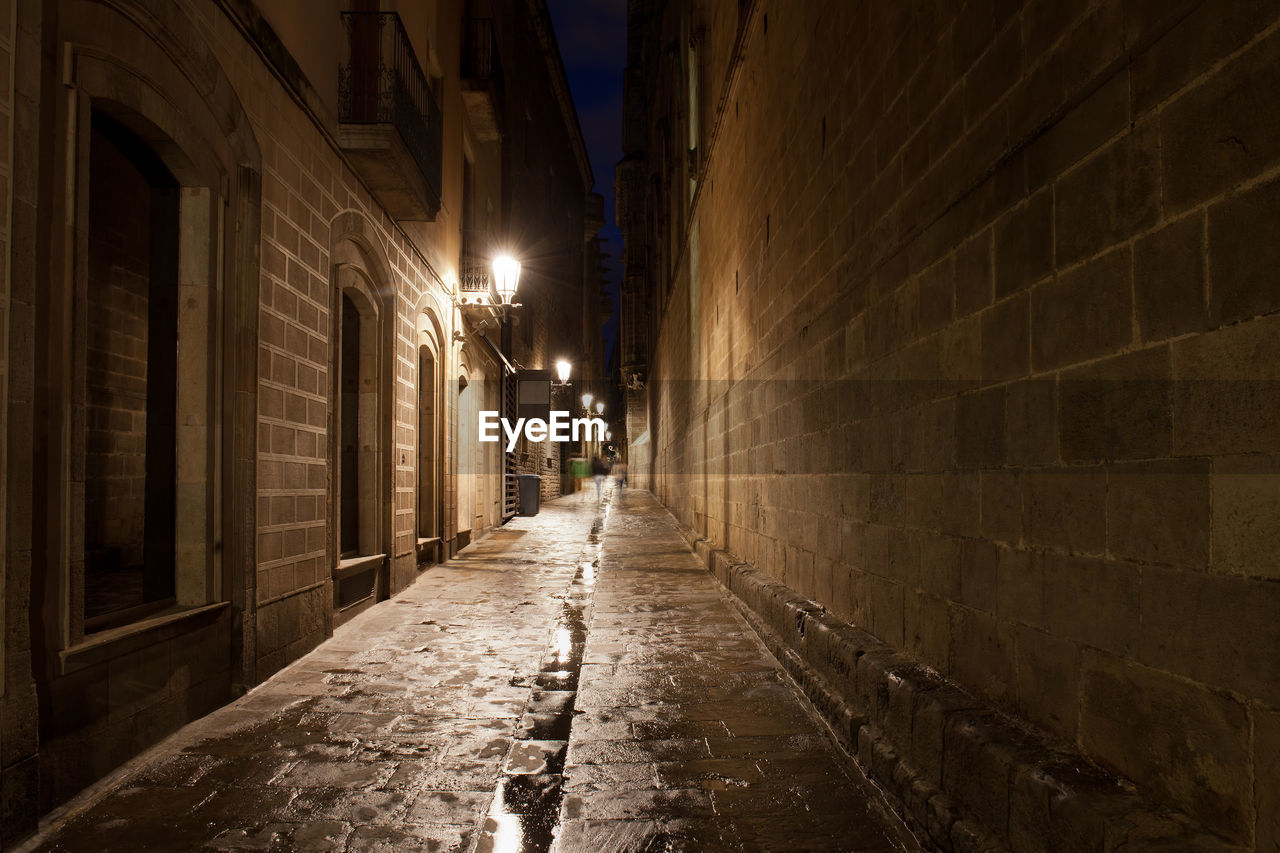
357, 565
103, 646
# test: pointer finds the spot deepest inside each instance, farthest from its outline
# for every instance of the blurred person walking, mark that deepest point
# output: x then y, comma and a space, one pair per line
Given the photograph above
600, 469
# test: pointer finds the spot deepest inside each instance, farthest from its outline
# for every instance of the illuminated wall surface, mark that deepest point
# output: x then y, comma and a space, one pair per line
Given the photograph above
961, 322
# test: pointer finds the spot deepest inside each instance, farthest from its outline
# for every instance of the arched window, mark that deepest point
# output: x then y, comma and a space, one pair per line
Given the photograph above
348, 430
130, 378
359, 440
360, 421
145, 376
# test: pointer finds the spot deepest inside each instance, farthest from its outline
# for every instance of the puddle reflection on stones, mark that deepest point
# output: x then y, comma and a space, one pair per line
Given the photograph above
525, 814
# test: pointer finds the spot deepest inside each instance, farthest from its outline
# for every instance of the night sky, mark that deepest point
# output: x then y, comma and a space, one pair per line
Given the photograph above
593, 43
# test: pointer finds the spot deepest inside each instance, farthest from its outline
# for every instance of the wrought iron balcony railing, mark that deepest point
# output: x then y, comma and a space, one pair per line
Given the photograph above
474, 284
480, 51
381, 82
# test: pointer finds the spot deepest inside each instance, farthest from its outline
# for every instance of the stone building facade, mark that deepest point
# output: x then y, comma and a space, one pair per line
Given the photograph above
239, 383
950, 331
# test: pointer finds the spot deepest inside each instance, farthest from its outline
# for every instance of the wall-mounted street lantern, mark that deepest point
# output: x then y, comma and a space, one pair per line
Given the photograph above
562, 370
473, 290
586, 402
506, 278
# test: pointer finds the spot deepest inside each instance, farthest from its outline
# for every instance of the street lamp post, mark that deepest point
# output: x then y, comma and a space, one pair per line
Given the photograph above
506, 278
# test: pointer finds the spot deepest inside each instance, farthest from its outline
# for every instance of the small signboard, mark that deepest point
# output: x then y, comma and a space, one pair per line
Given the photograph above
533, 394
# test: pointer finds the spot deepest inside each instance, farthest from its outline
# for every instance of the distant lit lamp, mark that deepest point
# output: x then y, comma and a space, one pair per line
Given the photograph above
608, 435
586, 402
600, 408
562, 370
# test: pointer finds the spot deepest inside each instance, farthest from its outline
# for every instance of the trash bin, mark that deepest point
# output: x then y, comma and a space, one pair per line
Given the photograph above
530, 493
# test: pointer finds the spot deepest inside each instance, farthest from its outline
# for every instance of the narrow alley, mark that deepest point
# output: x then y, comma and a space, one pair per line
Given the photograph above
576, 679
925, 352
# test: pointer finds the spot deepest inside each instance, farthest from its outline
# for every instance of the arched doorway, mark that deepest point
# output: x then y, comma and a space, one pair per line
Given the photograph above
430, 408
359, 408
468, 415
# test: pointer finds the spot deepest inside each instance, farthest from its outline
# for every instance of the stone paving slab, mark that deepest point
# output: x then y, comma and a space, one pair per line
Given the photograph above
576, 680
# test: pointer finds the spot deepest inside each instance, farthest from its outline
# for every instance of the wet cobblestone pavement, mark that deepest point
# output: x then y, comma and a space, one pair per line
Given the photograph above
576, 681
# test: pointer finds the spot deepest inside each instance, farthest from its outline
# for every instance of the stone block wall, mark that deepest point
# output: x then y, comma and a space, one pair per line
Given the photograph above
107, 707
971, 339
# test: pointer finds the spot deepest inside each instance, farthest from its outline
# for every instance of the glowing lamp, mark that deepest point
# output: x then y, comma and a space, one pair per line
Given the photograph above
506, 278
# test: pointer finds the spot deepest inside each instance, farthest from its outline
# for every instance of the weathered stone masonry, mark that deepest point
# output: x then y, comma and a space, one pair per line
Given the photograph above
960, 324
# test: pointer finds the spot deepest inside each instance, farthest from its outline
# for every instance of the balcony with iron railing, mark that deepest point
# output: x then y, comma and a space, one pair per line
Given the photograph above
389, 121
482, 84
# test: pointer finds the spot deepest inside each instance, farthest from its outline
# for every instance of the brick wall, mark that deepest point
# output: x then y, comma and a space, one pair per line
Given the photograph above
980, 307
